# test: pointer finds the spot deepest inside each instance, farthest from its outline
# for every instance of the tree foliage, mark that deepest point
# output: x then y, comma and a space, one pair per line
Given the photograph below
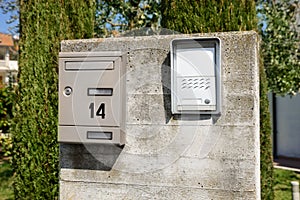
281, 45
266, 154
114, 17
208, 15
226, 15
78, 19
7, 99
44, 23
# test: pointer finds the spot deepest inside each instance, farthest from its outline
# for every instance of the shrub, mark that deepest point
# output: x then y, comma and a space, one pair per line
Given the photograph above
6, 144
7, 99
44, 23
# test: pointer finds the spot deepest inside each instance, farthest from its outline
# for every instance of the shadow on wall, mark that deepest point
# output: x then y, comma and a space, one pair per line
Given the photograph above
166, 86
89, 156
166, 83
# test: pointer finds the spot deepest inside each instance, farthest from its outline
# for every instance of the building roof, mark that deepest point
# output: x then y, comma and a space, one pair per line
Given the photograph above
6, 40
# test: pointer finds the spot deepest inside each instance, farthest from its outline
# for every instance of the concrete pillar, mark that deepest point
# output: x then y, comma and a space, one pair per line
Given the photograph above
167, 156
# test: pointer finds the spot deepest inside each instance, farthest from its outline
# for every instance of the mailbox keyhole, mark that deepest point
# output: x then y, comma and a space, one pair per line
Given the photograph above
68, 91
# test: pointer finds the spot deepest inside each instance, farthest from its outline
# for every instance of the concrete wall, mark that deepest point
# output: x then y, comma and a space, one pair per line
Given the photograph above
168, 157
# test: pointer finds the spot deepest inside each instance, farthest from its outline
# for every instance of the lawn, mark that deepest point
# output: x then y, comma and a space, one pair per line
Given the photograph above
6, 180
283, 188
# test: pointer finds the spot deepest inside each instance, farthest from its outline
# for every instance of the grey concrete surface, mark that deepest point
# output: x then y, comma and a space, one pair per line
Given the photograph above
166, 156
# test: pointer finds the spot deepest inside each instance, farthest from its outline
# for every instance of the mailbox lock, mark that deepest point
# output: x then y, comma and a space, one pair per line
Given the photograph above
67, 91
207, 101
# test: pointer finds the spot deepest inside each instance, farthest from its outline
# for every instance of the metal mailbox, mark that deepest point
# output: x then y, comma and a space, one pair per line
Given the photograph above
92, 97
196, 76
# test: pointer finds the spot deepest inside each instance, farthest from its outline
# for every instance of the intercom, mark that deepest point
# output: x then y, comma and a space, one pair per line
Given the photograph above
196, 76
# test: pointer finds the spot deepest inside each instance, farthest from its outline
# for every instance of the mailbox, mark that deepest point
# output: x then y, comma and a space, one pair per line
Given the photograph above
195, 76
92, 97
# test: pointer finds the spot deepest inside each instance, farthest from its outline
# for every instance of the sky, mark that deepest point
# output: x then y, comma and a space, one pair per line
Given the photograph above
3, 25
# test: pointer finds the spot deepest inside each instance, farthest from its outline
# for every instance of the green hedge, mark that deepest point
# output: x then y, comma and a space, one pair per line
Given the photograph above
7, 99
208, 15
266, 154
43, 24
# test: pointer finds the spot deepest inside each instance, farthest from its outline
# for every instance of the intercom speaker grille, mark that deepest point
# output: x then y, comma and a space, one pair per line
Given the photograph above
195, 83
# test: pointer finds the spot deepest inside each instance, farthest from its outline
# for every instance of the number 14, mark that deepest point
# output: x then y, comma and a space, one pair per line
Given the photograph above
100, 111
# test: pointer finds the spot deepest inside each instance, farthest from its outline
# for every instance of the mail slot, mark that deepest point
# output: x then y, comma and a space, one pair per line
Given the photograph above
92, 97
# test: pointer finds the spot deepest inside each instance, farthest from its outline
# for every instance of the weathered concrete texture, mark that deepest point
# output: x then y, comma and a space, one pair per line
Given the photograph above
172, 157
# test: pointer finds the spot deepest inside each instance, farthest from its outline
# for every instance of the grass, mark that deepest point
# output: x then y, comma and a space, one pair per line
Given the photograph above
282, 186
6, 180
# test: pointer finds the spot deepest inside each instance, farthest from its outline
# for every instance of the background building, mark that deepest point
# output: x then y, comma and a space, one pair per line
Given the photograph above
8, 58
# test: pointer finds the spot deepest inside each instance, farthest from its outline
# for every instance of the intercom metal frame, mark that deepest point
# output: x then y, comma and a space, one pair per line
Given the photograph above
96, 68
199, 42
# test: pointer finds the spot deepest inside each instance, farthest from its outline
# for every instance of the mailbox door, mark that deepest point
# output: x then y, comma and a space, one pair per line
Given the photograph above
89, 91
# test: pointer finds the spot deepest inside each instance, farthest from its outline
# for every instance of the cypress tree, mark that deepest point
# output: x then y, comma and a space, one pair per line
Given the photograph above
43, 24
208, 15
226, 15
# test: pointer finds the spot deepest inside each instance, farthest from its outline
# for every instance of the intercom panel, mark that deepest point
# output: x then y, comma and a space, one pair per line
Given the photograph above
195, 76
